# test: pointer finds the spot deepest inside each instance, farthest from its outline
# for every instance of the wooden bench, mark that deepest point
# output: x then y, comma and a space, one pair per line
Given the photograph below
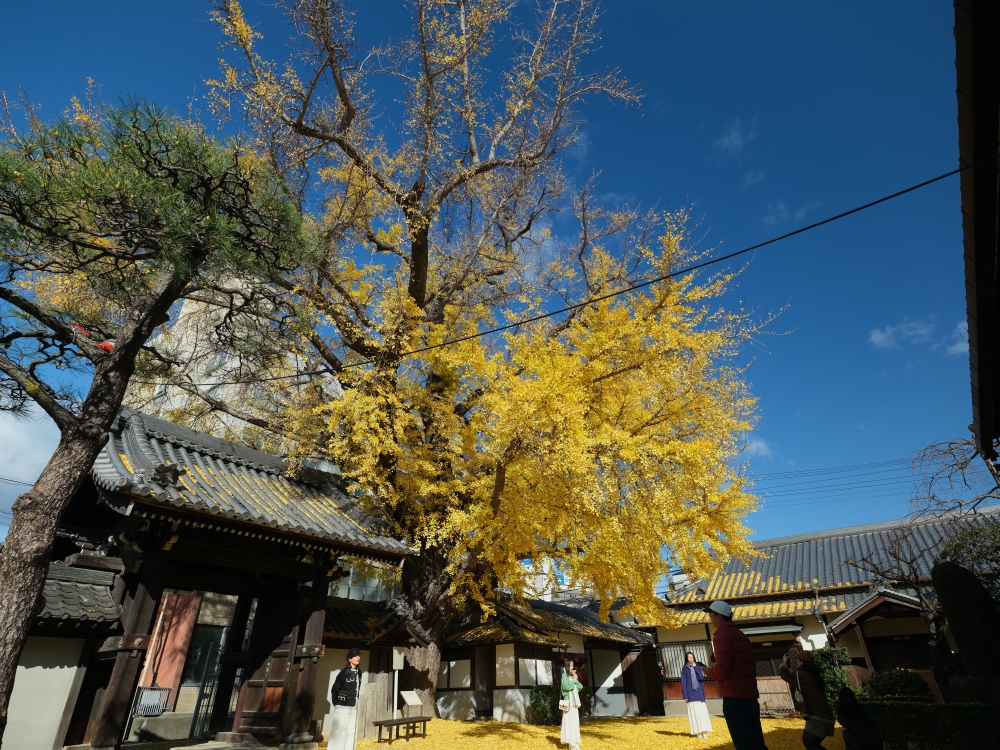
407, 724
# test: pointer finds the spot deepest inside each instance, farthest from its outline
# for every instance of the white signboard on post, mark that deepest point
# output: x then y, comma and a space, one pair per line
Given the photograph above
410, 698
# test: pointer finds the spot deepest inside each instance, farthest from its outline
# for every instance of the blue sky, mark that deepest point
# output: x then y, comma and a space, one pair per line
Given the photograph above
765, 117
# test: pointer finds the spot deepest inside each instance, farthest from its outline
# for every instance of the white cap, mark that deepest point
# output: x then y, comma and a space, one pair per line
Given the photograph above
720, 608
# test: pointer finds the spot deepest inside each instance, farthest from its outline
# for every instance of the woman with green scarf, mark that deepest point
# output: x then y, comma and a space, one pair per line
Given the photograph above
570, 705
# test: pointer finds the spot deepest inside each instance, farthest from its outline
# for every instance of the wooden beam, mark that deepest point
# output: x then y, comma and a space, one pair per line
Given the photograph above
305, 689
229, 557
137, 618
864, 646
222, 583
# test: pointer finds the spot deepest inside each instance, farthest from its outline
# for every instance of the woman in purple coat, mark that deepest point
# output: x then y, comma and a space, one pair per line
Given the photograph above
693, 689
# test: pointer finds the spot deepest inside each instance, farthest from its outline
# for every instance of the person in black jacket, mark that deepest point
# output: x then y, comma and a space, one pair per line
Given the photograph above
860, 732
344, 699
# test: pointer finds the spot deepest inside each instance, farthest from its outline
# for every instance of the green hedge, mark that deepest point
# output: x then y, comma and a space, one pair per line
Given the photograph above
933, 726
545, 702
830, 662
900, 682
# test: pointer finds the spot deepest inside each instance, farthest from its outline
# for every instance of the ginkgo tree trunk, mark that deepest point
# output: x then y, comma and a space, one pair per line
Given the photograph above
602, 442
108, 218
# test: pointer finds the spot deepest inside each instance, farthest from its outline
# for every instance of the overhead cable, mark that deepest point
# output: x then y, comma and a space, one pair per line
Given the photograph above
8, 480
631, 288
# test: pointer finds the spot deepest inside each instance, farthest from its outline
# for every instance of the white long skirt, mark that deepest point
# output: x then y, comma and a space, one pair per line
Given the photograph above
343, 728
698, 717
570, 734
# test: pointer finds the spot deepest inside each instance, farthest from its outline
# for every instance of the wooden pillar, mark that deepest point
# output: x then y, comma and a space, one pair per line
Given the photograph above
136, 620
864, 646
229, 663
309, 652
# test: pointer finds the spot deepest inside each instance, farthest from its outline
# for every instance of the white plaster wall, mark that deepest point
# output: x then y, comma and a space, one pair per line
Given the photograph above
849, 640
681, 634
813, 634
460, 673
42, 684
330, 665
575, 642
505, 665
456, 704
895, 626
607, 675
511, 704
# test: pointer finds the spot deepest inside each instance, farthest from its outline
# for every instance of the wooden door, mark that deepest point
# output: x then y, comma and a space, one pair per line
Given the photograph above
483, 669
649, 684
264, 694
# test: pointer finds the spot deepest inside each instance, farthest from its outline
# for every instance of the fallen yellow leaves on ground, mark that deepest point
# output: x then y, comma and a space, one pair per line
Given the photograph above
599, 734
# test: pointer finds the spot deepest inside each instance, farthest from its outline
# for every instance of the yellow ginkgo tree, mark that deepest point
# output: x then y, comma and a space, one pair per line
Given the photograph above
601, 442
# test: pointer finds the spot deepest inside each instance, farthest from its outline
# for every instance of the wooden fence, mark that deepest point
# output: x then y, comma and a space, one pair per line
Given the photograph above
375, 704
775, 697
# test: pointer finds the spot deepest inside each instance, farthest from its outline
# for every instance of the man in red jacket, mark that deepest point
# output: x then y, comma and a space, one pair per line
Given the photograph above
735, 671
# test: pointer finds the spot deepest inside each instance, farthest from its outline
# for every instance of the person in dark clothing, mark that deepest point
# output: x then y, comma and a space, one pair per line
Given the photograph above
344, 698
799, 671
735, 671
860, 732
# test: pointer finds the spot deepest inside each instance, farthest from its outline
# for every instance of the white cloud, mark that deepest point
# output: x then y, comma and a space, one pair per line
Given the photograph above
735, 138
752, 178
960, 339
755, 447
25, 447
803, 210
777, 213
909, 331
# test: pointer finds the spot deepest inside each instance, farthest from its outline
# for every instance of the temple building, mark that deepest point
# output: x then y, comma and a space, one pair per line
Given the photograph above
804, 586
197, 587
489, 667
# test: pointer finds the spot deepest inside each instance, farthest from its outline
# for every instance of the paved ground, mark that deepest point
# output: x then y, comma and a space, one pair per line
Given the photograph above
601, 734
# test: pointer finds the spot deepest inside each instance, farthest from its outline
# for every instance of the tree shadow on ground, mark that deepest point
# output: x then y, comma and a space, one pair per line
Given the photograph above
484, 729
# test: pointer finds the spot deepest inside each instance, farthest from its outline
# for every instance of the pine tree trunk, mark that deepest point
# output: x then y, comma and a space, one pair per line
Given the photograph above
25, 558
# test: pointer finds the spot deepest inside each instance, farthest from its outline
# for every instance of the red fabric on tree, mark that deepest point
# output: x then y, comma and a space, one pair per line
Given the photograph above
735, 667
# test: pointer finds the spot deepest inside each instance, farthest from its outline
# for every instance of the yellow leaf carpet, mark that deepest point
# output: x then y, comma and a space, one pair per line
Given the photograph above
598, 734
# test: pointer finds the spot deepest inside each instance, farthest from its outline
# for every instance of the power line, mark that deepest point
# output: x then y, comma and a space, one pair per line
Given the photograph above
834, 479
640, 285
832, 469
840, 488
842, 482
8, 480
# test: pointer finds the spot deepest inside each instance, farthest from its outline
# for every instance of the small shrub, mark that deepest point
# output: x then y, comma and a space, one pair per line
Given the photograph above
545, 702
900, 682
933, 726
831, 662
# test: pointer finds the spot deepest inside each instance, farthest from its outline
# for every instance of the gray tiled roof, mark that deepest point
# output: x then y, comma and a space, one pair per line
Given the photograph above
805, 562
583, 620
354, 619
541, 622
164, 463
907, 597
774, 608
78, 595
